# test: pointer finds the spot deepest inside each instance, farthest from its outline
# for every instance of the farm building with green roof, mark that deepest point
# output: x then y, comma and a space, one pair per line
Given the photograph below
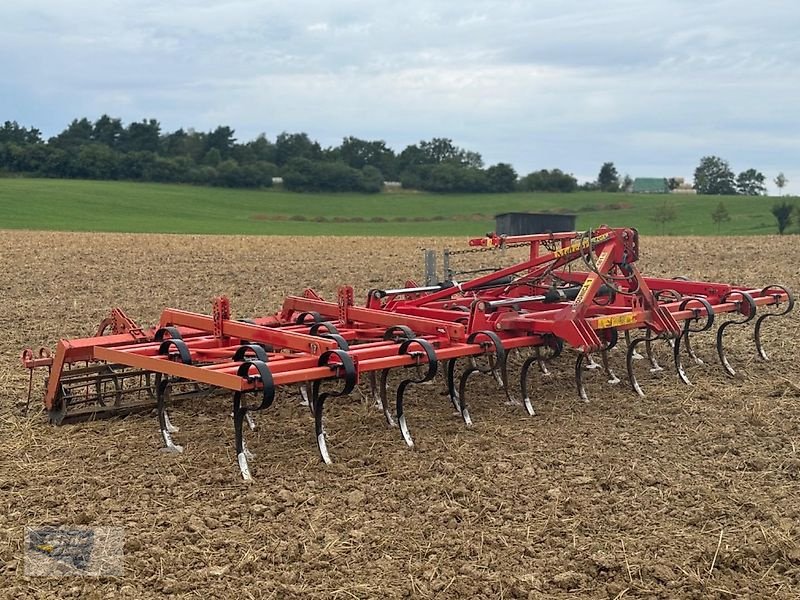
650, 185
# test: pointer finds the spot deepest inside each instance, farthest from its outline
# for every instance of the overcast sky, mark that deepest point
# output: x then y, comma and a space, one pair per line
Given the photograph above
649, 85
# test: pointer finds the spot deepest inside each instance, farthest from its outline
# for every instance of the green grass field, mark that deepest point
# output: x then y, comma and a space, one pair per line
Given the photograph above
66, 205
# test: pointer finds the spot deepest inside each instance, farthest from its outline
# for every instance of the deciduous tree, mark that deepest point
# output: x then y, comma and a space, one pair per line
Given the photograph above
781, 182
751, 183
783, 214
720, 215
608, 178
664, 213
714, 176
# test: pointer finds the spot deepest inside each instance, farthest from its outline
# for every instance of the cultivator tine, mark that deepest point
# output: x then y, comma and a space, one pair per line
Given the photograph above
630, 356
163, 385
398, 334
452, 392
383, 397
584, 361
167, 429
523, 381
579, 367
500, 378
759, 322
648, 350
684, 338
591, 364
612, 377
690, 351
318, 399
305, 399
541, 363
169, 426
433, 365
462, 387
610, 338
241, 413
748, 313
636, 355
238, 418
556, 347
251, 423
511, 399
499, 353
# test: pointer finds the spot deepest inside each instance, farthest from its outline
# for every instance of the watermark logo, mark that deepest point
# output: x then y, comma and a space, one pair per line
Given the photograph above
52, 551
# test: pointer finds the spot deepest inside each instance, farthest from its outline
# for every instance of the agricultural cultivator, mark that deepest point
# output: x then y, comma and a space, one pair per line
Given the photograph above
577, 293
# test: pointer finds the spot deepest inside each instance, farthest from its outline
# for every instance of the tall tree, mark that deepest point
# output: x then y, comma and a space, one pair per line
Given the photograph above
549, 181
295, 145
713, 176
608, 178
442, 150
108, 131
174, 144
361, 153
720, 215
77, 133
222, 140
751, 183
781, 182
12, 133
783, 214
664, 214
144, 136
502, 178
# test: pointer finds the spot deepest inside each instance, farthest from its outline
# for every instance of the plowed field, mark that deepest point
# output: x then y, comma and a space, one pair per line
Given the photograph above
691, 492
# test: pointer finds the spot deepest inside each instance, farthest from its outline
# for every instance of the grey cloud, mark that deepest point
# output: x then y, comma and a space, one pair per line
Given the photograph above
651, 85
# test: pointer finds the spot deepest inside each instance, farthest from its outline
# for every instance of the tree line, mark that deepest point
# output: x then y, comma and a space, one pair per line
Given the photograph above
141, 151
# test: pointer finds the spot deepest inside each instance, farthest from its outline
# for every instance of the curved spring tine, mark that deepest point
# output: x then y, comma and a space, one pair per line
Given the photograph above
498, 362
512, 400
687, 329
383, 398
318, 402
304, 397
452, 392
523, 382
749, 313
636, 355
433, 367
462, 387
318, 399
542, 362
374, 391
242, 455
648, 350
612, 377
629, 358
241, 413
251, 423
579, 366
501, 363
611, 337
162, 394
789, 306
691, 353
498, 377
676, 355
591, 364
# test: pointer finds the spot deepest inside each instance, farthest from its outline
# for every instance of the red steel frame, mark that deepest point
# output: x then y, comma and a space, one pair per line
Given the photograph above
212, 340
535, 303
